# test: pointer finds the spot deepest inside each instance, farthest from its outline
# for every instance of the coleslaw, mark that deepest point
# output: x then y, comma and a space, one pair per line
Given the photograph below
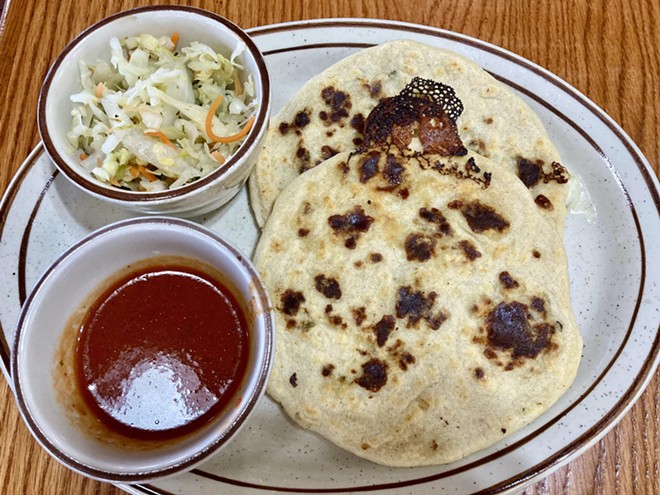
157, 117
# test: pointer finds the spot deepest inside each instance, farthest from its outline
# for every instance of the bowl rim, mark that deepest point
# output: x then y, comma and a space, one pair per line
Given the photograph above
247, 406
260, 123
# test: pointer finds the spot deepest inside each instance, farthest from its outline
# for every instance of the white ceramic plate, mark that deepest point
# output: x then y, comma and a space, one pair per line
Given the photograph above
615, 291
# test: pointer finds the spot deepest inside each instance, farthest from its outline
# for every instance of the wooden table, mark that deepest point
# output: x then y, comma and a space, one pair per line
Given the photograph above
607, 49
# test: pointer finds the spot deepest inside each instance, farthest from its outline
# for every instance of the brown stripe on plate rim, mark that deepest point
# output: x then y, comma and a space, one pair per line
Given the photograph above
148, 489
5, 206
25, 240
316, 46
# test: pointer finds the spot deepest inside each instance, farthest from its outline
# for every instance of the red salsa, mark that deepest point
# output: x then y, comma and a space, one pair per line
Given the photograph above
161, 352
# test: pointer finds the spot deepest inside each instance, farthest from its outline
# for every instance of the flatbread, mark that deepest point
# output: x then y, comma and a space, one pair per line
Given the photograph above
326, 117
422, 304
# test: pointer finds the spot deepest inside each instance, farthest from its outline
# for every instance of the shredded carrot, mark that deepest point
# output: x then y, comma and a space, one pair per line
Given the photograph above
218, 157
238, 135
83, 156
99, 90
224, 139
175, 38
237, 84
209, 117
143, 170
160, 136
134, 171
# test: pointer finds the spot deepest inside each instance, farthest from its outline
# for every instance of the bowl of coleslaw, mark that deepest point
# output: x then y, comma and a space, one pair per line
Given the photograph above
159, 110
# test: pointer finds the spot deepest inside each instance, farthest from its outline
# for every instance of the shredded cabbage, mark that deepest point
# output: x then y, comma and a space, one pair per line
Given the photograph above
139, 122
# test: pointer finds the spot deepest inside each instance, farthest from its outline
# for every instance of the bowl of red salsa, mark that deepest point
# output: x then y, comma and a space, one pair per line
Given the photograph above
142, 349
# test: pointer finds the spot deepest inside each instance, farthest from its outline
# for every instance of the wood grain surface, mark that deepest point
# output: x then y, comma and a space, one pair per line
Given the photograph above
607, 49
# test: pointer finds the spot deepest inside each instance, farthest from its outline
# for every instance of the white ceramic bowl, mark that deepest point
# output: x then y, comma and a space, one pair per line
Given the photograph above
63, 80
59, 293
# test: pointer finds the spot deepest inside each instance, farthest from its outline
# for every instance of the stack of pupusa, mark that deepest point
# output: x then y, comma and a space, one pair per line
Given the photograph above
412, 247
